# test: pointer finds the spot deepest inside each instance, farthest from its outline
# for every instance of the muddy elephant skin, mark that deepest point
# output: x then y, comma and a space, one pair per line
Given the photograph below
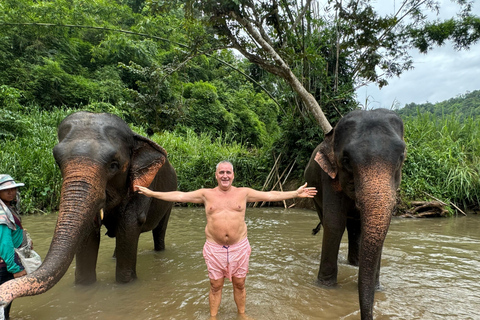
357, 171
101, 159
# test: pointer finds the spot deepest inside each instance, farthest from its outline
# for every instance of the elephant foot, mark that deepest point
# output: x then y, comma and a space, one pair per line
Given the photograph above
159, 246
353, 261
326, 282
126, 280
85, 281
126, 277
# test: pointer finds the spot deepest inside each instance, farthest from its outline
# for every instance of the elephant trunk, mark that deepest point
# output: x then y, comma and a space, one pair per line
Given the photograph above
376, 197
82, 196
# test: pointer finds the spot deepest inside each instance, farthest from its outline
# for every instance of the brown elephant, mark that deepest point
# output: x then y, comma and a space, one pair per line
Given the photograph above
357, 170
101, 159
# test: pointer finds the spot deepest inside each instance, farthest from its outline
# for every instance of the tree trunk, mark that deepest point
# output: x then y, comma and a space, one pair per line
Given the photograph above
281, 69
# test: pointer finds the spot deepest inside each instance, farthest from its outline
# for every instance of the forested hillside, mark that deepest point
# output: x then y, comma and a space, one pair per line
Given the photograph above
462, 106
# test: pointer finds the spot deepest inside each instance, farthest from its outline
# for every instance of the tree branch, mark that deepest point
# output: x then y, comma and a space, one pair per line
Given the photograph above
301, 14
286, 73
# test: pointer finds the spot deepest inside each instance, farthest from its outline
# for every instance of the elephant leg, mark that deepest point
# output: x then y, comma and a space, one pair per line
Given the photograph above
354, 230
86, 259
159, 232
128, 233
333, 229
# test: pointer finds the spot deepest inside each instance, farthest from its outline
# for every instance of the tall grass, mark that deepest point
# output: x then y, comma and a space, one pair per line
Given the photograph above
443, 159
195, 157
26, 154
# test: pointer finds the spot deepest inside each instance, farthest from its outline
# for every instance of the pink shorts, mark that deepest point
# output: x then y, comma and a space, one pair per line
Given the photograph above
227, 261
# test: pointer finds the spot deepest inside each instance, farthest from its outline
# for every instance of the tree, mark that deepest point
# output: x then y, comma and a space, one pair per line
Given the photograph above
102, 55
261, 22
369, 47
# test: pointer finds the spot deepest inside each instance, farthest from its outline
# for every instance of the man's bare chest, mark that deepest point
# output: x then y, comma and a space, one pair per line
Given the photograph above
234, 202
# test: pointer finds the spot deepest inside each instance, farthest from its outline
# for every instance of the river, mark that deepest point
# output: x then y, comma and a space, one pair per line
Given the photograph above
430, 270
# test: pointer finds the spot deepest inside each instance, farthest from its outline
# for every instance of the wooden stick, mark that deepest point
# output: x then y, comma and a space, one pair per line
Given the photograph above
445, 203
291, 168
281, 187
279, 181
269, 177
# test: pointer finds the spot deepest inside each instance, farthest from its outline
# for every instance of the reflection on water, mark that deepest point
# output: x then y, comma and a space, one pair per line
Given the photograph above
430, 270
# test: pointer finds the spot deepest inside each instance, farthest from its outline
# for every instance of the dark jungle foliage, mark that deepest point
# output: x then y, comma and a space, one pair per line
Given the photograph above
172, 78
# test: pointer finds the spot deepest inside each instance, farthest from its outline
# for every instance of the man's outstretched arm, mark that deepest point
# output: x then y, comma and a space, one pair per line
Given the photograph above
271, 196
173, 196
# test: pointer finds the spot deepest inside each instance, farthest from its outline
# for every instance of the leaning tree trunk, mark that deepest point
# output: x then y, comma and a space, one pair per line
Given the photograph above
280, 68
81, 195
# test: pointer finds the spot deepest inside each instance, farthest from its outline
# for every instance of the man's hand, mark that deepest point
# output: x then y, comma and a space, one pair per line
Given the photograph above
145, 191
304, 192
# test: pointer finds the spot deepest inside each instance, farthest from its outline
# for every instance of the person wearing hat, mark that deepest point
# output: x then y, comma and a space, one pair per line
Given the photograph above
11, 233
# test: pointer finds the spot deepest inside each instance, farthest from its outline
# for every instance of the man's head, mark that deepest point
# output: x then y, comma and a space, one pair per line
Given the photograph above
224, 175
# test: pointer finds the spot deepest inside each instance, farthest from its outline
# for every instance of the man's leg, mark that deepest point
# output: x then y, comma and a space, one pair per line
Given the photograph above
239, 293
215, 295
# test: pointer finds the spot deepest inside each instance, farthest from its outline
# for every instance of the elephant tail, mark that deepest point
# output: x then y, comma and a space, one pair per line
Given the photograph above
317, 228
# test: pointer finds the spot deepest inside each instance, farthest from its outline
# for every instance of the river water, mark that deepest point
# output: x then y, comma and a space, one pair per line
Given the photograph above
430, 270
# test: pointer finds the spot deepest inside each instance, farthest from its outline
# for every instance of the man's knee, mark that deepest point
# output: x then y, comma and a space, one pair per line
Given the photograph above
238, 283
216, 285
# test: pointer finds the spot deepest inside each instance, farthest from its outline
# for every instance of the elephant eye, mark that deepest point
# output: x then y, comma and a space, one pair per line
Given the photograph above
114, 165
346, 163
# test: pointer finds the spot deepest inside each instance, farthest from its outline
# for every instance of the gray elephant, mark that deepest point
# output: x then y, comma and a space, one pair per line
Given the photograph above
357, 171
101, 159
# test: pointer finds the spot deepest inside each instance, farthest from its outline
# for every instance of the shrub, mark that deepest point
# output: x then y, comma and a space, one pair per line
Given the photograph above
442, 159
195, 157
27, 156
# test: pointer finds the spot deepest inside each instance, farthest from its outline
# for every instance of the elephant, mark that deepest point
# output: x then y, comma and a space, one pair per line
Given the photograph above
357, 171
101, 160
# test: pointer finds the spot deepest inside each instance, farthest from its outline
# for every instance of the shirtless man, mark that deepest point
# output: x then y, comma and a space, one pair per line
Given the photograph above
226, 249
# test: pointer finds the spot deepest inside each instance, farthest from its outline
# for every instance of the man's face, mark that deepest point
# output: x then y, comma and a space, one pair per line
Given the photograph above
8, 195
224, 175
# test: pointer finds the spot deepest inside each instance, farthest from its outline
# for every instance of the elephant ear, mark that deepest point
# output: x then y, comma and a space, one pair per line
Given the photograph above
325, 156
147, 158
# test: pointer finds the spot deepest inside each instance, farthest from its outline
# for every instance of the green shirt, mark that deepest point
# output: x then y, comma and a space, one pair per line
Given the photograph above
10, 239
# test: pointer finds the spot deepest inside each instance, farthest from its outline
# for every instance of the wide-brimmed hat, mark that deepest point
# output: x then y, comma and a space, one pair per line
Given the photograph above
7, 182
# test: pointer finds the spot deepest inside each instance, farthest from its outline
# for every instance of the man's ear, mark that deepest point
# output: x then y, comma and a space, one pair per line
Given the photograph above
147, 158
325, 156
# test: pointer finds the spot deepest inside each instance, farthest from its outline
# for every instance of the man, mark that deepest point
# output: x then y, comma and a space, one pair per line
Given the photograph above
227, 249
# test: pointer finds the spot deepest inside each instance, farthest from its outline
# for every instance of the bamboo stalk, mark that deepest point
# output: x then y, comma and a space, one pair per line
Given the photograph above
269, 177
279, 182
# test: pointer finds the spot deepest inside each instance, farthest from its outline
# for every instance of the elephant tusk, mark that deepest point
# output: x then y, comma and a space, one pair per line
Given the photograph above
101, 214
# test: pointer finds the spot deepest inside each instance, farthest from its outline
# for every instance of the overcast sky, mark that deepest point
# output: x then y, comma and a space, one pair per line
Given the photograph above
441, 74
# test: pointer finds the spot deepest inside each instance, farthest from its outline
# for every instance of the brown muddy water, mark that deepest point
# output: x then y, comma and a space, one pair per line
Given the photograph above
430, 270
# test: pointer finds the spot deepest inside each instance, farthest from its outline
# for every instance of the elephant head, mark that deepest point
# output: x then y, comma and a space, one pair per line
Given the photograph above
101, 160
358, 170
